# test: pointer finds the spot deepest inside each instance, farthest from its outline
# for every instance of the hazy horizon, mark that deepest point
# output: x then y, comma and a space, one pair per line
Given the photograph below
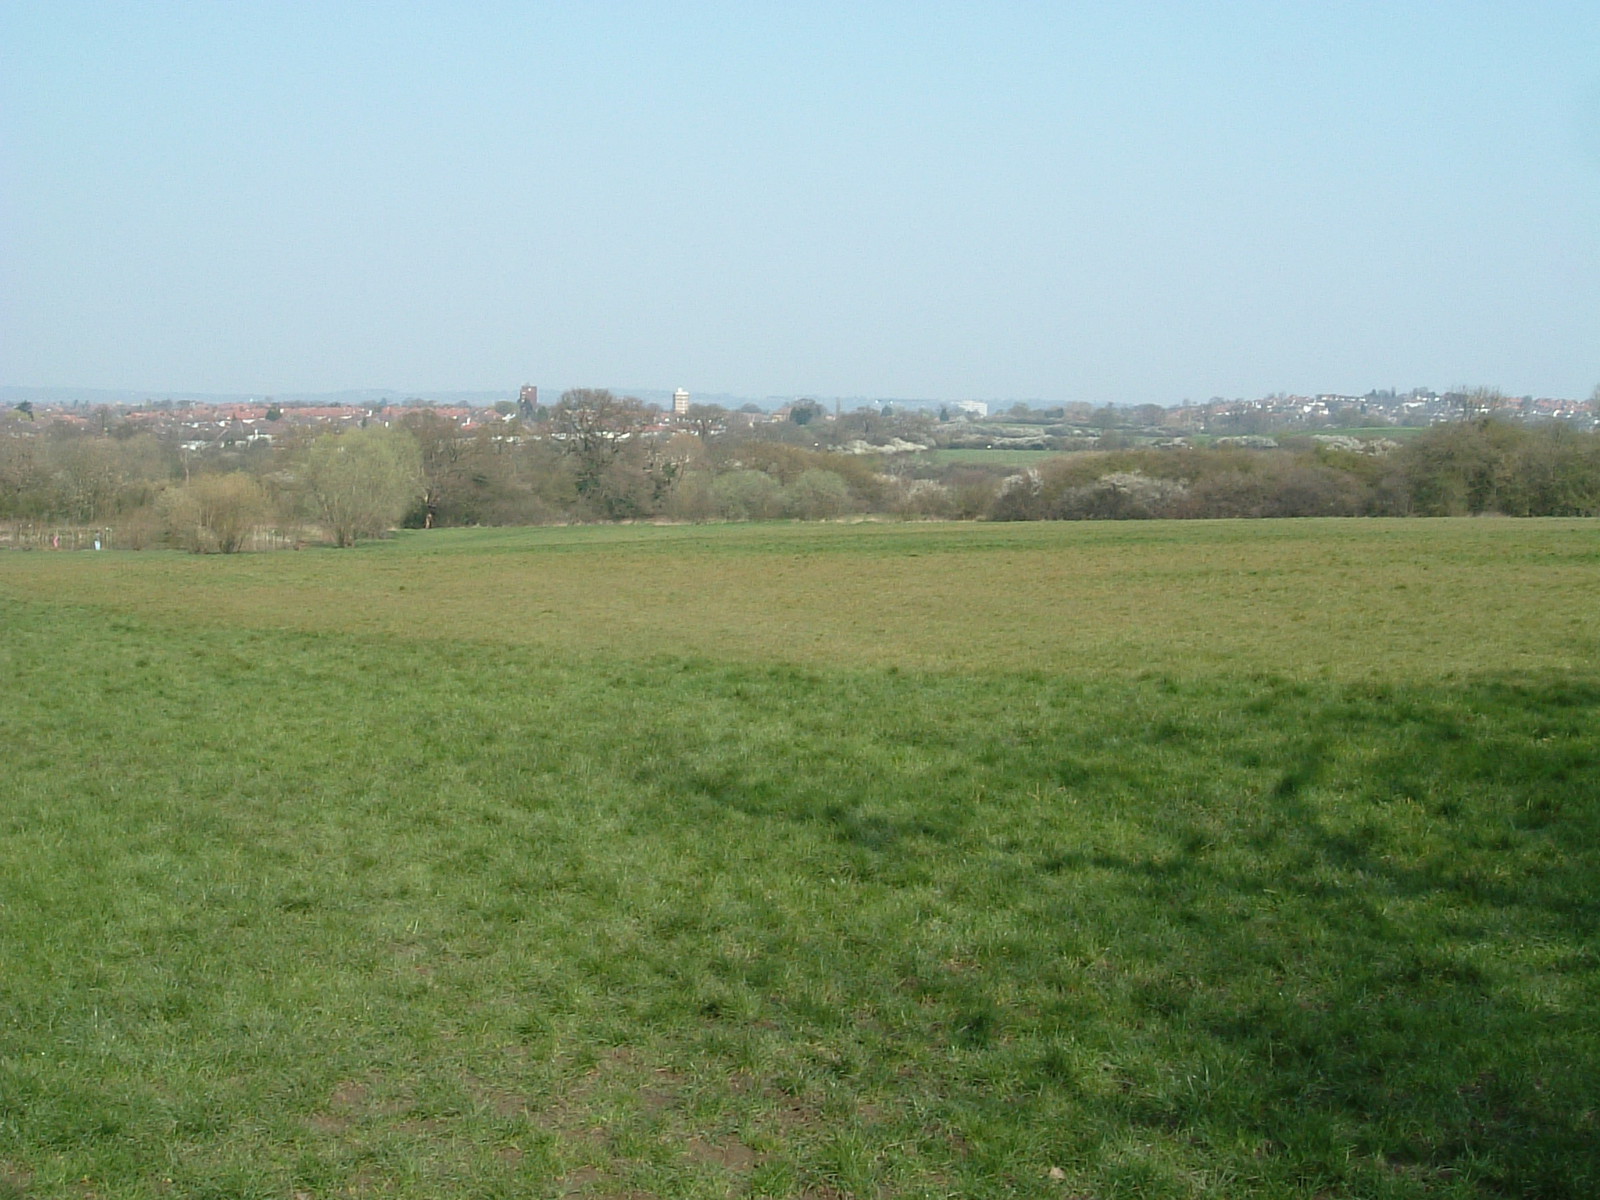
480, 397
1127, 203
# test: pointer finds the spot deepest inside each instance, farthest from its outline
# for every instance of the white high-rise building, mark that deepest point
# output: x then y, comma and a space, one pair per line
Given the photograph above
680, 402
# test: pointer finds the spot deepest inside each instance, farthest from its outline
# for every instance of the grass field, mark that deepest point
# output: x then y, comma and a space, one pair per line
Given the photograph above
1081, 860
1396, 433
1004, 457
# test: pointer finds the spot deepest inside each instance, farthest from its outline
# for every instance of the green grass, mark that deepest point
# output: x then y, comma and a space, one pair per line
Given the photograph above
1214, 859
1397, 433
1005, 458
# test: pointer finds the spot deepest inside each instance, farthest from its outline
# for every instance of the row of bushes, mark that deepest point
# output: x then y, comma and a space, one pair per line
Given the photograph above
1457, 469
351, 485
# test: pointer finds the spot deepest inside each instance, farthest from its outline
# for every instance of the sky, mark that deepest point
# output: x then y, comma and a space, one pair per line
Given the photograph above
1127, 201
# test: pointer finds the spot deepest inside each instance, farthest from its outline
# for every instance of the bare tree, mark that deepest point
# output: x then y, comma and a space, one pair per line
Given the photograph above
1479, 402
706, 419
594, 428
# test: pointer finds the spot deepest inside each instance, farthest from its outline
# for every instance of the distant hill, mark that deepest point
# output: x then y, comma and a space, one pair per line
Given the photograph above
91, 397
130, 397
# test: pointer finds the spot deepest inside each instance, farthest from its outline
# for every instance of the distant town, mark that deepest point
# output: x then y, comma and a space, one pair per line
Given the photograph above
202, 424
227, 474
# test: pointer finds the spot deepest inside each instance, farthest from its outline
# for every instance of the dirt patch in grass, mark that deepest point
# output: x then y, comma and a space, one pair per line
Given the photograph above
727, 1152
350, 1103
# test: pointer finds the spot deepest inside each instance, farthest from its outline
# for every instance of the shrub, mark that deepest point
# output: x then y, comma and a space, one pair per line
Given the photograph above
971, 492
747, 496
692, 499
1121, 496
1020, 498
214, 513
817, 495
922, 498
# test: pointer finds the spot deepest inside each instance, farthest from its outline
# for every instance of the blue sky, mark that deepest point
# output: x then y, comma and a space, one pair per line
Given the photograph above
1127, 202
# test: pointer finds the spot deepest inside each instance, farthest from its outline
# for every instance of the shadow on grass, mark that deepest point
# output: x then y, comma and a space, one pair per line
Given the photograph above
1398, 941
1350, 926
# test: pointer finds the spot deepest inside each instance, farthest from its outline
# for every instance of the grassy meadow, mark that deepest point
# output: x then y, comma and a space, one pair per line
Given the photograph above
1089, 860
969, 457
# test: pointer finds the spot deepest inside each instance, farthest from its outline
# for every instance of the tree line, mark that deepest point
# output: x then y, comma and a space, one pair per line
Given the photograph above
1459, 468
596, 456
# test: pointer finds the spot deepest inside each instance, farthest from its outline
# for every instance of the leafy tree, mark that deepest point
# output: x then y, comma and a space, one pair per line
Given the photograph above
805, 412
1463, 467
1557, 474
362, 482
